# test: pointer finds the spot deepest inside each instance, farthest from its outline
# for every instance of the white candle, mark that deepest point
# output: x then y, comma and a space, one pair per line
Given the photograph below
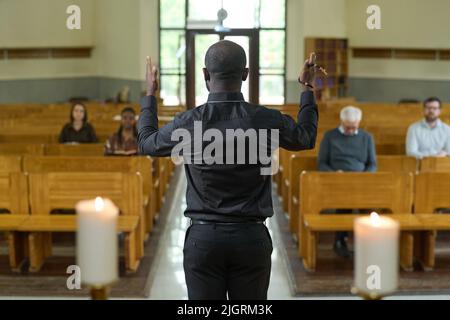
97, 249
376, 255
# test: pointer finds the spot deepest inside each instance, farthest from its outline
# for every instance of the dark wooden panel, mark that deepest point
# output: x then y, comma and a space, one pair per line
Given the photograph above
45, 53
445, 54
71, 52
416, 54
372, 53
388, 53
31, 53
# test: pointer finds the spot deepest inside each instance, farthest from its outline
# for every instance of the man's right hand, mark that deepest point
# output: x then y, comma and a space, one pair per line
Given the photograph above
151, 77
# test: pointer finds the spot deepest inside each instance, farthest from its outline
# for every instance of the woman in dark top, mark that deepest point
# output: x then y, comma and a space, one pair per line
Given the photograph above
124, 141
78, 130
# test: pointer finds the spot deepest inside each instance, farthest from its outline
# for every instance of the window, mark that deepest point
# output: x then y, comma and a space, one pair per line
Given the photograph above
267, 16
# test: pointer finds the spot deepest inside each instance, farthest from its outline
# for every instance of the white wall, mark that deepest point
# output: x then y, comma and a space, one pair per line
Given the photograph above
117, 38
42, 23
325, 18
311, 18
148, 33
405, 24
122, 34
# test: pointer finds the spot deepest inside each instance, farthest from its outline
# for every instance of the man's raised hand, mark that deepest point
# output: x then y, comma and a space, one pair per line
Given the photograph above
308, 73
151, 77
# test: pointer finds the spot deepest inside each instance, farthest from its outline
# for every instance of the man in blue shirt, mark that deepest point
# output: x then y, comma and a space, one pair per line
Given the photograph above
429, 137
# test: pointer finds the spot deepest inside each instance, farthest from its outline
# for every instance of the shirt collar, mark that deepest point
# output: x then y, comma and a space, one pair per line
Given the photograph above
341, 130
225, 97
438, 124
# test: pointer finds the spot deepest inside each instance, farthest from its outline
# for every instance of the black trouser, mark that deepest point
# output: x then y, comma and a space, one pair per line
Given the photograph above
342, 235
233, 260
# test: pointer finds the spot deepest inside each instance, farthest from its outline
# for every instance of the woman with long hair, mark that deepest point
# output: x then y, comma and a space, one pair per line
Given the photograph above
124, 141
78, 130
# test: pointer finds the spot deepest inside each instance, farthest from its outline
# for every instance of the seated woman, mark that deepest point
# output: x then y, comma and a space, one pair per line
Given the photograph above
78, 130
124, 141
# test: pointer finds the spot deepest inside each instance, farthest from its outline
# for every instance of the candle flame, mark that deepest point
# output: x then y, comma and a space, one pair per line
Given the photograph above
375, 218
99, 204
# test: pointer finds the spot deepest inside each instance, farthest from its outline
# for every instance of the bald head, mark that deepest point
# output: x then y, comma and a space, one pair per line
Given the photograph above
226, 60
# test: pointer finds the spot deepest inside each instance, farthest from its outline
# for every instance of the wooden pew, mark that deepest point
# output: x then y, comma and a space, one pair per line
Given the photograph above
285, 185
49, 191
14, 199
21, 149
299, 164
88, 149
165, 171
320, 191
432, 192
435, 164
140, 164
397, 164
409, 223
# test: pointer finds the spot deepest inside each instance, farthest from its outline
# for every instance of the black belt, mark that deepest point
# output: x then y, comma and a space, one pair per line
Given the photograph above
207, 222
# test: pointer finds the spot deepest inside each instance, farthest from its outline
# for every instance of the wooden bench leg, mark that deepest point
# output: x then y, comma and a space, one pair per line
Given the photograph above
149, 216
284, 196
140, 240
302, 238
309, 259
37, 245
293, 220
47, 244
406, 250
18, 247
425, 242
154, 204
132, 259
157, 198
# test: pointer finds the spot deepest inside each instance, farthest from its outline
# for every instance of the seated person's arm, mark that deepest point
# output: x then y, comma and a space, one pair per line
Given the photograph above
323, 161
62, 135
109, 147
412, 145
447, 144
371, 165
93, 135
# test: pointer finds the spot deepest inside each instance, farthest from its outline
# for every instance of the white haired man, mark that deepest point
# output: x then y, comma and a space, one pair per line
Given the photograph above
347, 149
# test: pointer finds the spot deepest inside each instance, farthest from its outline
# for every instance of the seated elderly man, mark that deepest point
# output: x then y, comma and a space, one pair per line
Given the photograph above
429, 137
347, 149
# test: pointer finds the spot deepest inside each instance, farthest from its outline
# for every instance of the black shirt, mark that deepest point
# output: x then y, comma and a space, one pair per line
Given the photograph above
85, 135
228, 192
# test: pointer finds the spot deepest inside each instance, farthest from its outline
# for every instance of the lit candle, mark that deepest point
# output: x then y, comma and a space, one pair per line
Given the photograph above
376, 255
97, 249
